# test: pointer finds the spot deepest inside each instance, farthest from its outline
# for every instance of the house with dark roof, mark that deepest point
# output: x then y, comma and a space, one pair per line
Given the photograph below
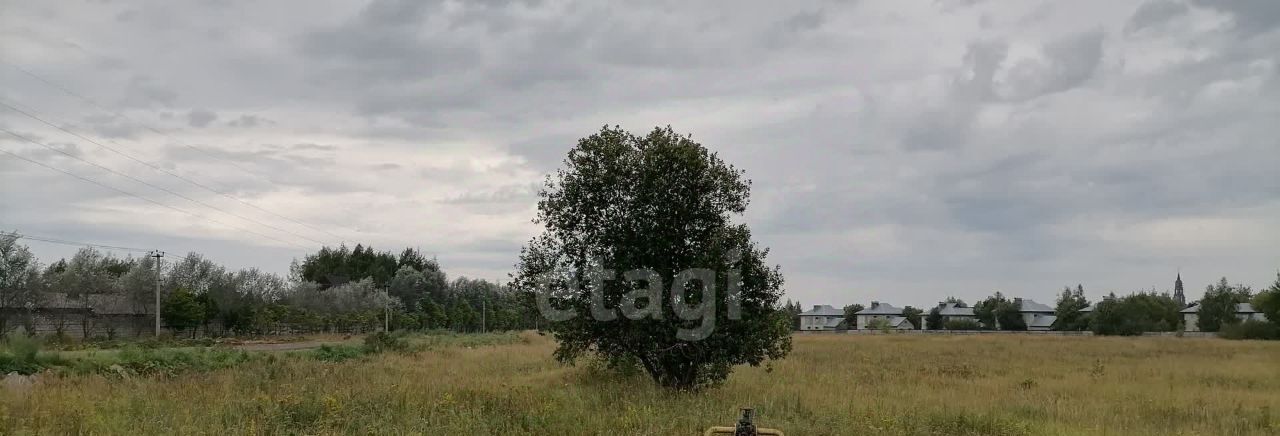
1036, 316
822, 317
880, 313
1244, 311
955, 312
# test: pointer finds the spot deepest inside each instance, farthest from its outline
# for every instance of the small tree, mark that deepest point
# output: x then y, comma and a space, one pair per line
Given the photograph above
998, 312
933, 321
913, 316
793, 311
19, 279
1218, 307
1068, 311
850, 315
1268, 302
182, 310
962, 324
880, 324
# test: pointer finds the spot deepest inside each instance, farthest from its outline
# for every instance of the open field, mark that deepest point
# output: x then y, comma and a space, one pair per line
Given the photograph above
831, 384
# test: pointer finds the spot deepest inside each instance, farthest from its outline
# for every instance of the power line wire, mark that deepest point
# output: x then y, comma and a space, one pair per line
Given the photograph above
118, 114
176, 261
95, 182
160, 169
159, 132
73, 243
171, 192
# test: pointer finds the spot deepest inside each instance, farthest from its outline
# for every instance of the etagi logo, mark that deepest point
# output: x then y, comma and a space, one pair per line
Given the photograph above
694, 281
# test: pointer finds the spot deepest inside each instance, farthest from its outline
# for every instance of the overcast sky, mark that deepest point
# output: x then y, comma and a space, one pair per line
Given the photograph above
901, 151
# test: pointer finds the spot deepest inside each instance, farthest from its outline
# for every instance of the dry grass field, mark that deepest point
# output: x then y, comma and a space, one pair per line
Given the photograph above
831, 384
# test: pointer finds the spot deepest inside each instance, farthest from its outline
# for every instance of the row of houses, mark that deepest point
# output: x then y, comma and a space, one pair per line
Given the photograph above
1037, 316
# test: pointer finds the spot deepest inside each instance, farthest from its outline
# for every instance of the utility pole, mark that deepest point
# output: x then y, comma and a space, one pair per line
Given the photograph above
158, 255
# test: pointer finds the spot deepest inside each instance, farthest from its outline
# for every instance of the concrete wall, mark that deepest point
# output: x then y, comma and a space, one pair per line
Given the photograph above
79, 326
814, 322
865, 320
1191, 320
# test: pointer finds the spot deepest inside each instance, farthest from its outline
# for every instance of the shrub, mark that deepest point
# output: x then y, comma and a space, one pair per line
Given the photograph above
1251, 329
336, 353
383, 341
20, 355
962, 324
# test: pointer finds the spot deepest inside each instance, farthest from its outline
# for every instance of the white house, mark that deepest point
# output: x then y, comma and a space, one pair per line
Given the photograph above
954, 311
1244, 311
1036, 316
822, 317
880, 311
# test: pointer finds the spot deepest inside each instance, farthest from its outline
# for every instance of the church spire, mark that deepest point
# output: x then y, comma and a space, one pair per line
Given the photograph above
1177, 291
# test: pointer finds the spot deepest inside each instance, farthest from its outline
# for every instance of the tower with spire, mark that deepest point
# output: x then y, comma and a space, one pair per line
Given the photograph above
1177, 291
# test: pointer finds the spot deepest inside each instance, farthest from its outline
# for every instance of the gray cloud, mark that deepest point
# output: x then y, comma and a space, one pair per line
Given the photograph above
804, 21
1154, 13
200, 118
1067, 63
1251, 17
248, 121
317, 147
896, 150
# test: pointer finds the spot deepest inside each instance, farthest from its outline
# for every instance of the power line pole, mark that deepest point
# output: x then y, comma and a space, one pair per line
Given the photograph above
158, 255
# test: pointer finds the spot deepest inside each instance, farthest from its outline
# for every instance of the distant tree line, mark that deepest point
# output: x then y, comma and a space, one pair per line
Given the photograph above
1149, 311
336, 289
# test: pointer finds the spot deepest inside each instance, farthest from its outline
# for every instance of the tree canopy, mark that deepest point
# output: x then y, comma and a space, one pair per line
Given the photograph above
1068, 310
998, 312
659, 209
1135, 314
1218, 307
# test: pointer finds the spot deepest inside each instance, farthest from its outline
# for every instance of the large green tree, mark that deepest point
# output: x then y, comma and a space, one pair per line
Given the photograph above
659, 210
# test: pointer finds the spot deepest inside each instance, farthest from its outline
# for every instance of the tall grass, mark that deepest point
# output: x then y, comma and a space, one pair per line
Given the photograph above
873, 385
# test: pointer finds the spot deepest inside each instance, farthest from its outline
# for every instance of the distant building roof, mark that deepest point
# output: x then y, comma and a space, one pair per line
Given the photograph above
834, 323
823, 310
897, 321
1089, 309
1028, 305
1043, 321
954, 309
878, 308
1240, 308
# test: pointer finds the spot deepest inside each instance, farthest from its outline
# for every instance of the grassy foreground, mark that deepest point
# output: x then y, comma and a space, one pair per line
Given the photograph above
873, 385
